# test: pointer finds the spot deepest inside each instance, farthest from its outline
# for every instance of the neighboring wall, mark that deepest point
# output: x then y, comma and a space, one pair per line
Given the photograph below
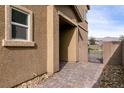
112, 52
123, 52
18, 64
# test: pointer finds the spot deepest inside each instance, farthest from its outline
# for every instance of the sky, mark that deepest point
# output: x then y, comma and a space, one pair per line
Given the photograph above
106, 21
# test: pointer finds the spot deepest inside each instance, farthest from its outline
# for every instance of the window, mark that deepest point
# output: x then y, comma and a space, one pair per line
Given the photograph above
18, 26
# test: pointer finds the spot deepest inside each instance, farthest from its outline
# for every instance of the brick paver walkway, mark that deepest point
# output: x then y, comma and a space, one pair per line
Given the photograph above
74, 75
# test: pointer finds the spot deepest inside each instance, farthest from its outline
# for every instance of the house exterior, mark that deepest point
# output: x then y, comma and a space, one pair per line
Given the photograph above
35, 39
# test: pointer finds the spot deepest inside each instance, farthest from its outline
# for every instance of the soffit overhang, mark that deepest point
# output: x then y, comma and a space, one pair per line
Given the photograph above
76, 9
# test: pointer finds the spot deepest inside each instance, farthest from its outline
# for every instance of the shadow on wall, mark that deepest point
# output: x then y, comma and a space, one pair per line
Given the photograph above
66, 34
112, 53
65, 43
116, 57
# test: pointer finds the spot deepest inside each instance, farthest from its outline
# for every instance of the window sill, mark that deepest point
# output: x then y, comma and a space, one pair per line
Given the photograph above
18, 43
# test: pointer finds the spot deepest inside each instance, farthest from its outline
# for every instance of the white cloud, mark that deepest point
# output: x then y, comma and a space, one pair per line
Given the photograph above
102, 23
104, 33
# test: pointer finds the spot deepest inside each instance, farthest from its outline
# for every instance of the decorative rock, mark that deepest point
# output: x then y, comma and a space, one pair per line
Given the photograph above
34, 82
112, 76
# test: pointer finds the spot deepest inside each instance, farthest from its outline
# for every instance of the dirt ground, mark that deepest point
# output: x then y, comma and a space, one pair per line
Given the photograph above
111, 77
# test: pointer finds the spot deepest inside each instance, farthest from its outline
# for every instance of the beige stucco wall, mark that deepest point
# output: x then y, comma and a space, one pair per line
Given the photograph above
112, 52
52, 40
74, 54
84, 23
18, 64
83, 45
83, 8
53, 35
68, 11
68, 45
53, 31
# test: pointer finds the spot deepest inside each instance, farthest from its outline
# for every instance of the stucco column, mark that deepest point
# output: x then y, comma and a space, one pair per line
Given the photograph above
73, 46
52, 40
83, 45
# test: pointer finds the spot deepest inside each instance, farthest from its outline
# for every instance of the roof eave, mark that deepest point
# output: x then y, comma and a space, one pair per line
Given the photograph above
78, 13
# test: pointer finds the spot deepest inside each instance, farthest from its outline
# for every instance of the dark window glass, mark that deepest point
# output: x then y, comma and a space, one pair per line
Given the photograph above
19, 17
19, 32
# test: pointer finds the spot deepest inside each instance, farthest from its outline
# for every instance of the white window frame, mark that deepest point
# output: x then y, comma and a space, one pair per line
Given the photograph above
8, 41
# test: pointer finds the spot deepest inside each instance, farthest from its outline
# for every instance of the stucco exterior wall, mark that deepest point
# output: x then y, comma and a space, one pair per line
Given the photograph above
112, 52
83, 9
83, 45
68, 11
56, 40
18, 64
52, 40
84, 25
53, 43
68, 45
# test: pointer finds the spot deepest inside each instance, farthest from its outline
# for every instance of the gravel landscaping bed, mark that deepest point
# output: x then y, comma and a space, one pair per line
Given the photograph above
34, 82
111, 77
